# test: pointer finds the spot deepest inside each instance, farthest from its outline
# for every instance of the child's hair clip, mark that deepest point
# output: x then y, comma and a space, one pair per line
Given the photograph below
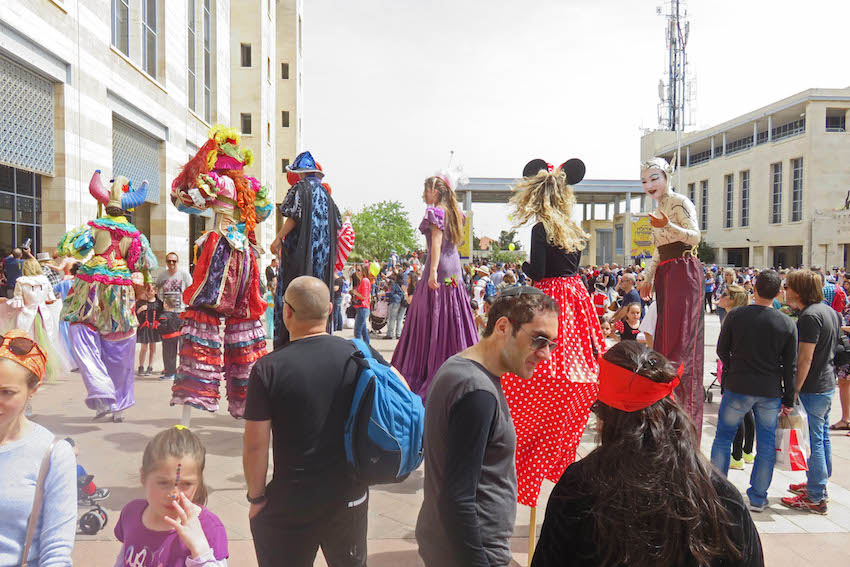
178, 426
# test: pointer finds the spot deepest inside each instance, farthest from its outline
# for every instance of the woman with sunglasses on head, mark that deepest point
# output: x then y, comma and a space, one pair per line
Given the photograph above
25, 449
647, 496
550, 411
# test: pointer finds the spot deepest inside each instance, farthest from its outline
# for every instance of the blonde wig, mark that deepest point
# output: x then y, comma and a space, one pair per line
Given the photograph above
547, 198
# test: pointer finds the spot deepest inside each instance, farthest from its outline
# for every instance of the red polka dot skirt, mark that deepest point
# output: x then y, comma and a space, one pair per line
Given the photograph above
550, 410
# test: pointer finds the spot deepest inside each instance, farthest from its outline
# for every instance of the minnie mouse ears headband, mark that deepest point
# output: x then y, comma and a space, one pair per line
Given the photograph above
573, 168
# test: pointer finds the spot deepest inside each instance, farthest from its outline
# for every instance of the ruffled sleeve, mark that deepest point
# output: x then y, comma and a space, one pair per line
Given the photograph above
196, 199
291, 206
77, 243
436, 216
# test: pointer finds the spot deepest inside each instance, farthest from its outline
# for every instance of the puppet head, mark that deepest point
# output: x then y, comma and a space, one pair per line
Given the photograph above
121, 195
656, 177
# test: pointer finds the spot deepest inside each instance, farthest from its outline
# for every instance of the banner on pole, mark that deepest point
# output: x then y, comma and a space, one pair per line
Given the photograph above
464, 249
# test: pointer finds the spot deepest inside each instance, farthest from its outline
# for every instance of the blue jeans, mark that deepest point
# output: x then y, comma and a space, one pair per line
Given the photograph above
817, 407
337, 315
733, 408
360, 330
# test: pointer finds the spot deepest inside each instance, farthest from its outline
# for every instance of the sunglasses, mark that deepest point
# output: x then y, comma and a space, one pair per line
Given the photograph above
20, 346
171, 261
540, 342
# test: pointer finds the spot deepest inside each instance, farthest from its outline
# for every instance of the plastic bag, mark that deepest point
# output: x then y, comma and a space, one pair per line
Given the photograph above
792, 441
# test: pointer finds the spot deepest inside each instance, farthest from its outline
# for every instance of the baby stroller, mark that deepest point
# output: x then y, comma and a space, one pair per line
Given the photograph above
708, 395
96, 518
379, 313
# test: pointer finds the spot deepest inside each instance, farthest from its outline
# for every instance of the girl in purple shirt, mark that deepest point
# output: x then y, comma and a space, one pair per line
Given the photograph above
170, 527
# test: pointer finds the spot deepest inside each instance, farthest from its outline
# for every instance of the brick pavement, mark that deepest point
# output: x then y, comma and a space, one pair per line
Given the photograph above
112, 452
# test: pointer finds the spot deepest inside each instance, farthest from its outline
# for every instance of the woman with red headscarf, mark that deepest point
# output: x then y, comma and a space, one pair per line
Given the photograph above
647, 496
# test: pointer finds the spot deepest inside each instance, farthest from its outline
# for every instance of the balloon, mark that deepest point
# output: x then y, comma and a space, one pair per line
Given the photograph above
375, 268
643, 263
511, 246
292, 177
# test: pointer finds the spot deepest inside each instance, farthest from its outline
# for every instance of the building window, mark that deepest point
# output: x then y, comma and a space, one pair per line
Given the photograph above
728, 206
299, 34
283, 163
268, 133
136, 156
692, 192
776, 194
284, 71
149, 37
284, 119
245, 123
245, 54
269, 69
121, 25
704, 205
20, 209
208, 27
796, 189
190, 55
618, 239
836, 119
745, 198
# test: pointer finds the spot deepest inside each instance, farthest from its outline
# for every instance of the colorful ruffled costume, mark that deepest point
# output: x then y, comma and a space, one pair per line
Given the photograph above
226, 280
99, 306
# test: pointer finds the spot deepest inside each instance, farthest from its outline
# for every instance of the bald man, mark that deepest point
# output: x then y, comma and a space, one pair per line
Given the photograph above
303, 392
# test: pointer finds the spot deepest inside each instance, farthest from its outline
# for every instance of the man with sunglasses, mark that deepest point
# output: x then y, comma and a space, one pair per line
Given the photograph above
173, 281
468, 515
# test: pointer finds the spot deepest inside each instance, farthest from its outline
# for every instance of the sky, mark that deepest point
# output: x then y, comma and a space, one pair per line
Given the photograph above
391, 87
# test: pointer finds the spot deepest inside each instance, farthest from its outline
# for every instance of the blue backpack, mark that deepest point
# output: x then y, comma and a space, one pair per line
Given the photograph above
383, 432
489, 289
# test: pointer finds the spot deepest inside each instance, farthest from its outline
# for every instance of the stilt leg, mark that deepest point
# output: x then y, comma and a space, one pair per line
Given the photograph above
532, 534
187, 415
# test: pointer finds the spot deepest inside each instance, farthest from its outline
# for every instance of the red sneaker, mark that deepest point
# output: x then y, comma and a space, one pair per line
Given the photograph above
802, 502
802, 488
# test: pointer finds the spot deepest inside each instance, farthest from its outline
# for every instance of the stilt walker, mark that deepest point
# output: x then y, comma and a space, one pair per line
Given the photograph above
226, 280
550, 411
677, 276
99, 306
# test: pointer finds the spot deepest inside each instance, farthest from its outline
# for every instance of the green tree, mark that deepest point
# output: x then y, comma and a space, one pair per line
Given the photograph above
380, 228
508, 237
705, 252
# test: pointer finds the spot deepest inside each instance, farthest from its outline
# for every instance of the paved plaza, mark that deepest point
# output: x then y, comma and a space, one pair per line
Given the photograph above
113, 452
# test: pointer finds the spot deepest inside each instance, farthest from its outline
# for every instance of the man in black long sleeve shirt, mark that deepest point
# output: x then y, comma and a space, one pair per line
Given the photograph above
758, 347
467, 517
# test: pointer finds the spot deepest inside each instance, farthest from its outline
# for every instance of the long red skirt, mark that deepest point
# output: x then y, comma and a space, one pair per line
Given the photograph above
679, 333
550, 410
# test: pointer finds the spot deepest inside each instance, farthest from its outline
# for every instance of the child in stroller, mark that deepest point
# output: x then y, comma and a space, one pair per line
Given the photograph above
89, 495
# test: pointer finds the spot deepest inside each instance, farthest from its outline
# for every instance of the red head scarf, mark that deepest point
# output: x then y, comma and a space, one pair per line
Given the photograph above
626, 390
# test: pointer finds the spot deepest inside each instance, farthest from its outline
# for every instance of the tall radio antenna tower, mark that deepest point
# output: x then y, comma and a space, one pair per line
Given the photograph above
675, 91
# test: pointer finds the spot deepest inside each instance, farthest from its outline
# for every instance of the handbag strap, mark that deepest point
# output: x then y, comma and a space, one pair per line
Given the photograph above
37, 501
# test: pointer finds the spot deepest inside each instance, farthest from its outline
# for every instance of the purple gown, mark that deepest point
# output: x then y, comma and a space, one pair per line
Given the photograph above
439, 322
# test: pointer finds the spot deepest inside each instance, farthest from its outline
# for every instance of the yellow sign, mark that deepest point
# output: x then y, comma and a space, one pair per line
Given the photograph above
464, 249
641, 237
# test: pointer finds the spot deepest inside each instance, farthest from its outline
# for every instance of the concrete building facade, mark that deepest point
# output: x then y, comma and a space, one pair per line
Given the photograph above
770, 186
132, 87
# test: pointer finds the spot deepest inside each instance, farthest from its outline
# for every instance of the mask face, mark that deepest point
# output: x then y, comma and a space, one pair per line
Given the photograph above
654, 182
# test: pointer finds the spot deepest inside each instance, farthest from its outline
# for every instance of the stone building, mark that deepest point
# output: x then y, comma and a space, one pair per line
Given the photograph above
770, 186
130, 87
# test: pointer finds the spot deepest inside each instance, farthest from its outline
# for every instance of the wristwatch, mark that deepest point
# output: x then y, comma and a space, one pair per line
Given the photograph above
257, 500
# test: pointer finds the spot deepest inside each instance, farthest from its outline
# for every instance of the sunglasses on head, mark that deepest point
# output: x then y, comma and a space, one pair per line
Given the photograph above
20, 346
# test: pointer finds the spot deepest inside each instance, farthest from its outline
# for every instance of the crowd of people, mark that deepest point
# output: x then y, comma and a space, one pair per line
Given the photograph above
509, 360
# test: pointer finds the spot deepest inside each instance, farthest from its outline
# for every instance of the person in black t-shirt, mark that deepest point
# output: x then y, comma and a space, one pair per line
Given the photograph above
337, 295
818, 329
170, 325
302, 392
